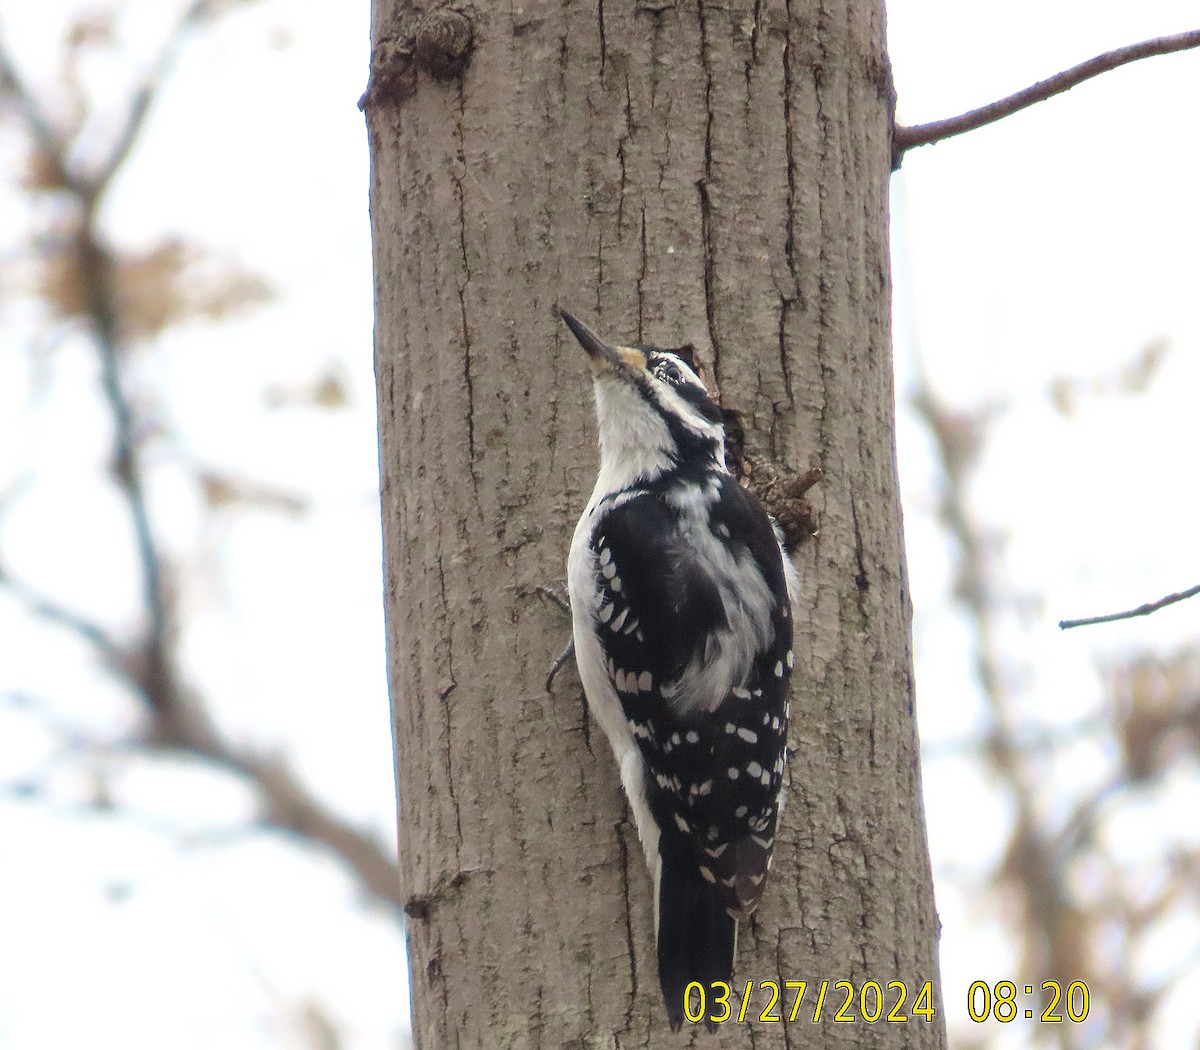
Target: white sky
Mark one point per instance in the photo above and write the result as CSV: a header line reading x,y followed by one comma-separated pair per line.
x,y
1059,242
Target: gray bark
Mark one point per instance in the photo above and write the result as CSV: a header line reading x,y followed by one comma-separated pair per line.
x,y
671,173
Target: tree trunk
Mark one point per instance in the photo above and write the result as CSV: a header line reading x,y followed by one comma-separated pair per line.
x,y
670,172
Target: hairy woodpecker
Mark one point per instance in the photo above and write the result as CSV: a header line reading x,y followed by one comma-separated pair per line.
x,y
681,607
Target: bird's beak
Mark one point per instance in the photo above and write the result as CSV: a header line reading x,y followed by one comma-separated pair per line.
x,y
623,359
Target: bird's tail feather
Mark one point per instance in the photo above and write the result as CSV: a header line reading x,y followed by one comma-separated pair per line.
x,y
696,935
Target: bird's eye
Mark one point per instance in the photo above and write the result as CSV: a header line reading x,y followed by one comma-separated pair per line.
x,y
669,372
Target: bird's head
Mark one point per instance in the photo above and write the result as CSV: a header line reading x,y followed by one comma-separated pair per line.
x,y
653,410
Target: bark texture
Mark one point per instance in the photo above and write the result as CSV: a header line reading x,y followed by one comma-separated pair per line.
x,y
671,172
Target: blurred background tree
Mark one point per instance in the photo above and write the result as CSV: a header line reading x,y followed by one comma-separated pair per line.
x,y
195,772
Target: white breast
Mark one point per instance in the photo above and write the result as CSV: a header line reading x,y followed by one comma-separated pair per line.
x,y
601,695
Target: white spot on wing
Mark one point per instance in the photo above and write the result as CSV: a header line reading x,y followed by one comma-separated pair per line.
x,y
734,773
682,824
619,622
778,668
748,735
708,875
754,769
645,682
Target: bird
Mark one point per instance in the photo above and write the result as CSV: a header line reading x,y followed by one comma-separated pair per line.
x,y
681,598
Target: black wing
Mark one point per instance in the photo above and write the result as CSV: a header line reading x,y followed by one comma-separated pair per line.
x,y
714,776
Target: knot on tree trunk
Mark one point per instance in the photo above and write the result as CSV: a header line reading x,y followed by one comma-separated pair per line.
x,y
438,43
782,492
442,43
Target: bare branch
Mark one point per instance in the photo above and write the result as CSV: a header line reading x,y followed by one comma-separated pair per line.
x,y
1129,614
906,138
288,805
291,807
47,609
178,720
40,127
143,99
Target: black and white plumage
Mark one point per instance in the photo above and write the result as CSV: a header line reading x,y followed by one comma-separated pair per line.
x,y
681,602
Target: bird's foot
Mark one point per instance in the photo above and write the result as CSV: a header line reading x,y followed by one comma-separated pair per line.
x,y
558,596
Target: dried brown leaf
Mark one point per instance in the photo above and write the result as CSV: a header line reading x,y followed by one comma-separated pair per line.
x,y
228,293
318,1030
169,283
60,285
1156,710
1063,396
1137,375
151,291
221,491
43,173
1132,378
91,28
331,392
328,390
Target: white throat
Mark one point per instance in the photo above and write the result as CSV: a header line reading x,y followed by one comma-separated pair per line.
x,y
635,444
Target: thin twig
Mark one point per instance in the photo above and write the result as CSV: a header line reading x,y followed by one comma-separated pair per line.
x,y
906,138
46,608
1129,614
143,99
97,272
48,140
